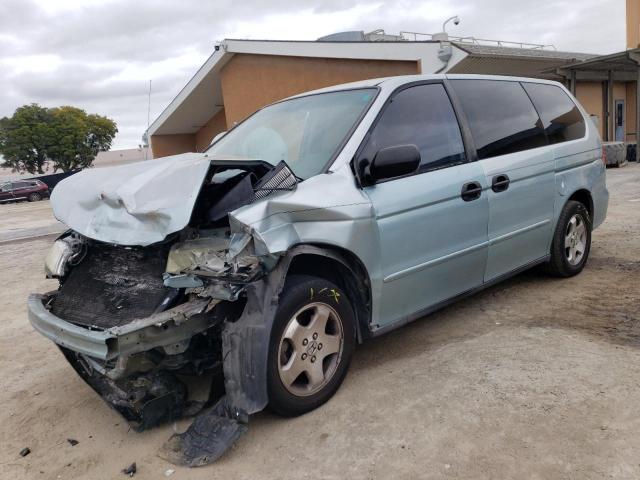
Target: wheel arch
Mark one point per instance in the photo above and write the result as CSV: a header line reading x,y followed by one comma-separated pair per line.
x,y
583,196
343,268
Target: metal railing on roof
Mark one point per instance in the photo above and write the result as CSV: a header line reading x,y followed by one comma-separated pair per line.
x,y
415,36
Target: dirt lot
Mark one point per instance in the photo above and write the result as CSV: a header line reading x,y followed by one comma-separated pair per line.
x,y
535,378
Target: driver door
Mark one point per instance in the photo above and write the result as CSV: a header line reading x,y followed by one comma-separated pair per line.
x,y
433,235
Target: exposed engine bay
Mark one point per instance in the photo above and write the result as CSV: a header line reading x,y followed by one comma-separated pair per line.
x,y
148,326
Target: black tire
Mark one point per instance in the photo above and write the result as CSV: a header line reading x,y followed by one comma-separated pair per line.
x,y
559,263
34,197
301,292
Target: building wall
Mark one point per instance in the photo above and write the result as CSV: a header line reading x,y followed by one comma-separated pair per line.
x,y
103,159
633,23
118,157
252,81
165,145
589,94
215,125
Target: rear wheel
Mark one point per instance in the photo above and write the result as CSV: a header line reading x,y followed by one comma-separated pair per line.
x,y
34,197
311,345
571,241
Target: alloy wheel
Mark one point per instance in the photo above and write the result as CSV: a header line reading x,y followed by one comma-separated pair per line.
x,y
575,239
310,349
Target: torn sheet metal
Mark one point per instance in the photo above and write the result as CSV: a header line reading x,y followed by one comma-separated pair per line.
x,y
212,256
205,253
245,351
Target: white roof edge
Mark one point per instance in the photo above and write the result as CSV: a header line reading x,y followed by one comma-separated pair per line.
x,y
211,62
411,51
399,51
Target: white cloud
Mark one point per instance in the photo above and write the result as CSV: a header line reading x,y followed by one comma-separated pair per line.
x,y
101,54
306,24
30,63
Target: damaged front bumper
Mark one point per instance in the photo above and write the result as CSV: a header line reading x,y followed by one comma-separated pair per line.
x,y
106,360
110,362
167,329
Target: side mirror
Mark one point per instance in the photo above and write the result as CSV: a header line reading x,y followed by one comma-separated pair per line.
x,y
392,162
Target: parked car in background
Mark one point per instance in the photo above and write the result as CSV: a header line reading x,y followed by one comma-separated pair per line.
x,y
317,223
31,190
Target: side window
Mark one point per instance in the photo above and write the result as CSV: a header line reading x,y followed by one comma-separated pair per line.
x,y
422,116
561,118
501,116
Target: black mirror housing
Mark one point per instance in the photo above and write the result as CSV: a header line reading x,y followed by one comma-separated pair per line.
x,y
396,161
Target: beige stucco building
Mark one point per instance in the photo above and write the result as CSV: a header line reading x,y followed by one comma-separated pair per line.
x,y
244,75
608,85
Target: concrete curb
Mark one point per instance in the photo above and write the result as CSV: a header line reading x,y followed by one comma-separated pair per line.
x,y
31,233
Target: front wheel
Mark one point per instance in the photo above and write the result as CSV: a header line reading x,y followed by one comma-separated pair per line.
x,y
311,345
571,241
34,197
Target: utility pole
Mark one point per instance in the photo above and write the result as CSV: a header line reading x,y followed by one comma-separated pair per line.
x,y
146,150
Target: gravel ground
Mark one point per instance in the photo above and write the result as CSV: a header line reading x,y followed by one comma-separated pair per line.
x,y
534,378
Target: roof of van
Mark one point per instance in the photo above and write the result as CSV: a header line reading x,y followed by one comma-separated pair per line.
x,y
404,79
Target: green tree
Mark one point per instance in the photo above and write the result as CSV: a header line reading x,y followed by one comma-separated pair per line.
x,y
67,137
79,137
25,137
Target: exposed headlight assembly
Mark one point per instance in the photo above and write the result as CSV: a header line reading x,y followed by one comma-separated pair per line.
x,y
64,251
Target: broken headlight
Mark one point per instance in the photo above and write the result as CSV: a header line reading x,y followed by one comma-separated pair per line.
x,y
63,252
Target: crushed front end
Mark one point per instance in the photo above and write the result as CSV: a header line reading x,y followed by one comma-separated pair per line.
x,y
132,338
166,330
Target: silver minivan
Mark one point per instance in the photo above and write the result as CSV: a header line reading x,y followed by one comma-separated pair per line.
x,y
322,220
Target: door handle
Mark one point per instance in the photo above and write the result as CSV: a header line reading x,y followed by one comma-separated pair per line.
x,y
471,191
500,183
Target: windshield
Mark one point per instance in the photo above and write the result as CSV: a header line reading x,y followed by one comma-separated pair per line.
x,y
305,132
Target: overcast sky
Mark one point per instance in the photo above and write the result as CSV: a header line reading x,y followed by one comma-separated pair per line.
x,y
101,54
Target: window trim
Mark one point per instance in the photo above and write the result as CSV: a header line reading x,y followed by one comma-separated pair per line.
x,y
465,133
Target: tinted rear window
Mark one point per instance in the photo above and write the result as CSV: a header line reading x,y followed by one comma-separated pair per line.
x,y
561,118
501,116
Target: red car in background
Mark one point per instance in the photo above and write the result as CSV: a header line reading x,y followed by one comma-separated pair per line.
x,y
31,190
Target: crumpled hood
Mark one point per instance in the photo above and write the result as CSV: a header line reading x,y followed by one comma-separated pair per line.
x,y
135,204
